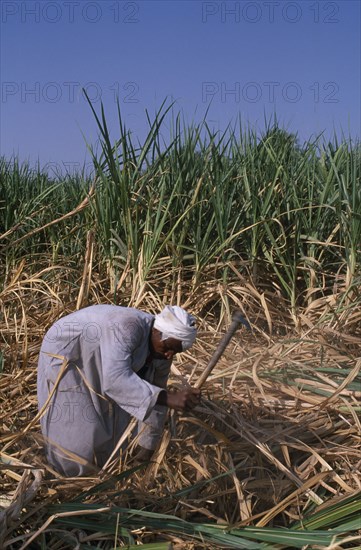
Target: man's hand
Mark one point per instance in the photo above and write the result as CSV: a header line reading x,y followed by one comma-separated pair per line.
x,y
181,400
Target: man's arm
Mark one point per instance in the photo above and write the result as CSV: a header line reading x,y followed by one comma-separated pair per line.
x,y
136,396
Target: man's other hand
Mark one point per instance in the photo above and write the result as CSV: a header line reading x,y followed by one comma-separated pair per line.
x,y
184,399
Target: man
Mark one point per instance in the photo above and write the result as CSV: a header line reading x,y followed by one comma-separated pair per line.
x,y
98,367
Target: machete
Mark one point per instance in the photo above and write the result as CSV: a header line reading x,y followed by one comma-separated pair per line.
x,y
237,321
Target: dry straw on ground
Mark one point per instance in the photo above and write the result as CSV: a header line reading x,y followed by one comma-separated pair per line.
x,y
277,433
216,221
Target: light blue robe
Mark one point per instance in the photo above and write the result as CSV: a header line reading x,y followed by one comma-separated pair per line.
x,y
102,347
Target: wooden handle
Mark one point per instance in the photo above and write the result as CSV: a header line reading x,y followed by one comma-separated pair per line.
x,y
237,320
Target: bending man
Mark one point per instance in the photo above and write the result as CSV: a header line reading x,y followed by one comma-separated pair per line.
x,y
100,366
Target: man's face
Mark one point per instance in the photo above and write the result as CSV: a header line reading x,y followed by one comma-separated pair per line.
x,y
164,349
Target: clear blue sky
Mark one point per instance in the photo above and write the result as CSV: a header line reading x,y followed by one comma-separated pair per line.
x,y
247,58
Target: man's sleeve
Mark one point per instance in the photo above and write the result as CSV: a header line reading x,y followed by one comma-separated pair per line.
x,y
120,383
150,431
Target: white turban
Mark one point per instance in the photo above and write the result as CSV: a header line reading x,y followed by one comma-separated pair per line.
x,y
175,322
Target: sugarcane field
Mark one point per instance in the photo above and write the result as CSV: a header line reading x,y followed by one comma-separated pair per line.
x,y
257,235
